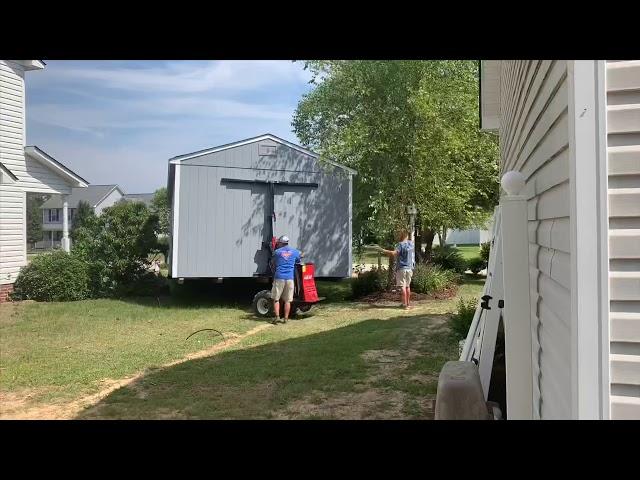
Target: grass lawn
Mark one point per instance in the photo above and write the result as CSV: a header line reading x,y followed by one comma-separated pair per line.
x,y
130,359
469,251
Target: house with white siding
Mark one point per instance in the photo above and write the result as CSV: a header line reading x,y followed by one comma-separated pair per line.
x,y
23,170
98,197
571,132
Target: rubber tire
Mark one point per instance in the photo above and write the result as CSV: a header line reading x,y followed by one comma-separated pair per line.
x,y
258,304
305,308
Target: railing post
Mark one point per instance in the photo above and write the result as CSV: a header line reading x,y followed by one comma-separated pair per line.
x,y
516,311
65,223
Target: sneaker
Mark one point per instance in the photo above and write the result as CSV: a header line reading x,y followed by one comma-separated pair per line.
x,y
284,320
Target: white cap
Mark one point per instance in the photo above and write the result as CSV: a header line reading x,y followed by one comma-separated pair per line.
x,y
283,239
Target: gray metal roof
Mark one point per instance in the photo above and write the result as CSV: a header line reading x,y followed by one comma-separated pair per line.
x,y
145,198
92,194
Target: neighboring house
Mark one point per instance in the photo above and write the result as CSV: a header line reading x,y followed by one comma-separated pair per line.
x,y
465,237
23,169
572,130
98,197
145,198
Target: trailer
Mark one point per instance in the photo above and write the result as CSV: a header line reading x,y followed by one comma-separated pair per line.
x,y
229,202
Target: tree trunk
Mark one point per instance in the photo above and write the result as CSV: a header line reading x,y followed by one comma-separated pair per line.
x,y
428,236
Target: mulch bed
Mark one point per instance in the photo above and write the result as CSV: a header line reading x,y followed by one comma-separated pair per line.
x,y
394,296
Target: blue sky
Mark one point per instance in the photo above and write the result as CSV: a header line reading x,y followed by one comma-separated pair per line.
x,y
120,121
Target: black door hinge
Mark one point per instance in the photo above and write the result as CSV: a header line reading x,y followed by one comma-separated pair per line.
x,y
485,302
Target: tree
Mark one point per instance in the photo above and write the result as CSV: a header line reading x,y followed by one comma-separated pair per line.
x,y
34,216
410,130
160,206
117,245
83,213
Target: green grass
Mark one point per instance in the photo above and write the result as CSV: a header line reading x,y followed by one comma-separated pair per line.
x,y
58,352
469,251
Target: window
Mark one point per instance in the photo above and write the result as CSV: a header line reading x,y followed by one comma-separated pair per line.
x,y
58,235
71,213
54,215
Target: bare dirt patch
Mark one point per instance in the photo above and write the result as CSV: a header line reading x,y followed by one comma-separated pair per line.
x,y
369,401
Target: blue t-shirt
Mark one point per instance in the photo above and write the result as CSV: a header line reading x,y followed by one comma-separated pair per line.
x,y
406,255
285,259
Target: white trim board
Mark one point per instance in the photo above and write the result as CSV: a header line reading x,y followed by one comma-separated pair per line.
x,y
53,164
588,240
179,159
175,214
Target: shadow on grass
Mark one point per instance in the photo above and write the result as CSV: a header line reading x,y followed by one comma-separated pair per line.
x,y
256,382
233,292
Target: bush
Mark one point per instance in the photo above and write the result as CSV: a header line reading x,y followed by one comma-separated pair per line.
x,y
53,277
369,282
432,278
116,246
477,264
484,251
461,321
449,258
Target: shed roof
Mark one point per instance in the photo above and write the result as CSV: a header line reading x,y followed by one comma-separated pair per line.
x,y
267,136
93,195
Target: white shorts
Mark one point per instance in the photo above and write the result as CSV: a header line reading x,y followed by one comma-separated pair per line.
x,y
282,289
403,278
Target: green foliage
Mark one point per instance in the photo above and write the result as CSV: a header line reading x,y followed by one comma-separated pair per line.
x,y
116,245
461,321
53,277
476,265
83,212
430,279
395,120
160,207
369,282
449,258
34,216
485,249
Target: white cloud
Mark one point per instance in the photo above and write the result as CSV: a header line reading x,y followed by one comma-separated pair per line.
x,y
182,76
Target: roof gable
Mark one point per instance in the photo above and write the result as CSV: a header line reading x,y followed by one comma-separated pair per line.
x,y
93,195
267,136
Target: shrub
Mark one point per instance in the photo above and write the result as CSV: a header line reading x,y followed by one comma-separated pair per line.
x,y
477,264
53,277
484,251
432,279
461,321
369,282
449,258
116,246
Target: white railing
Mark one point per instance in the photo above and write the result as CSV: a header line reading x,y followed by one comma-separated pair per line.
x,y
506,297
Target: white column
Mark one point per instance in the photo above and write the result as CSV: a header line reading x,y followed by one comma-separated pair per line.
x,y
517,311
65,223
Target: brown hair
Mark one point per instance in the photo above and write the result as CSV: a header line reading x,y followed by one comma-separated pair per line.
x,y
402,233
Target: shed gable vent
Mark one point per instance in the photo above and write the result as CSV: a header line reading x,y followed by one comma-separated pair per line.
x,y
267,150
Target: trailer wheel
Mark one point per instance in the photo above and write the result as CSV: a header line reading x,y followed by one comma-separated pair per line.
x,y
305,307
262,304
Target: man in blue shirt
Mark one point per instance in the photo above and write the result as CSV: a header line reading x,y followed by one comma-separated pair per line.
x,y
284,260
405,263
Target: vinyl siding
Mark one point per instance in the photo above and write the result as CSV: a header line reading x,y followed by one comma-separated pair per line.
x,y
32,175
221,226
109,200
623,137
534,139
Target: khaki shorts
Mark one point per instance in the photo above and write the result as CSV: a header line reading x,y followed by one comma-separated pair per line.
x,y
282,289
403,278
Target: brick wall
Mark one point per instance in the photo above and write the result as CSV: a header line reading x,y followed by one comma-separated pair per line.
x,y
5,290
